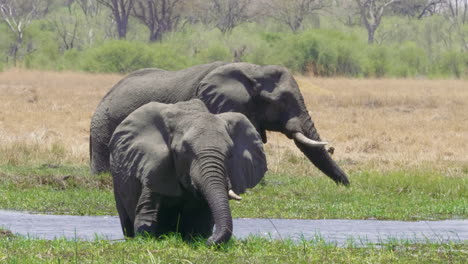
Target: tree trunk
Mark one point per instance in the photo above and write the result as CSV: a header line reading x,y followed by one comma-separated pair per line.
x,y
370,34
155,36
122,29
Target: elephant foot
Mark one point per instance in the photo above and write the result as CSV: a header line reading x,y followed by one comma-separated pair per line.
x,y
196,224
146,230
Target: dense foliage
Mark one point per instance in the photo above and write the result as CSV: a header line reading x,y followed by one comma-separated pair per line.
x,y
404,46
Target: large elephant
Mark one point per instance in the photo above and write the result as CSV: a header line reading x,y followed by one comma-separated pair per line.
x,y
175,165
267,95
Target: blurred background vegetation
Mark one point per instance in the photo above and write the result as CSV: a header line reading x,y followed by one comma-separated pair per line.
x,y
352,38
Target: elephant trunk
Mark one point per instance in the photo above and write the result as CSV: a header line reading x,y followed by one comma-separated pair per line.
x,y
215,191
318,154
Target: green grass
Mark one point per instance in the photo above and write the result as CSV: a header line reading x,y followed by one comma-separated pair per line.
x,y
56,189
251,250
395,195
401,195
398,195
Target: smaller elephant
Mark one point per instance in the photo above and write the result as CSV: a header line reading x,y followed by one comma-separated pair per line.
x,y
175,166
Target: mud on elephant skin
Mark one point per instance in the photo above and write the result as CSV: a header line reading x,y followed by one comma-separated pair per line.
x,y
267,95
175,166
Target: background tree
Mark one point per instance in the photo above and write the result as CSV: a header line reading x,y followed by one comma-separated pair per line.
x,y
18,14
66,28
121,10
160,16
456,11
372,12
293,12
346,12
414,8
227,14
89,7
91,11
430,8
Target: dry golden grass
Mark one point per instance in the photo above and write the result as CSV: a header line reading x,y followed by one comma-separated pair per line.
x,y
48,111
390,123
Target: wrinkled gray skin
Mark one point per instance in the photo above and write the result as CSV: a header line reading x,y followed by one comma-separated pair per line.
x,y
267,95
173,165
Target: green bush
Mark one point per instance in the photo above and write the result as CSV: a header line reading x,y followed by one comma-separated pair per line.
x,y
168,57
41,49
297,52
119,56
324,52
411,60
271,37
71,60
45,56
215,52
453,63
378,62
264,49
349,61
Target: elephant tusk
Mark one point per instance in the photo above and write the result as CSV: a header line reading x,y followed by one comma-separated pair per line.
x,y
234,196
307,141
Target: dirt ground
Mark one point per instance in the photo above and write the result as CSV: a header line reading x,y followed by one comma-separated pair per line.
x,y
385,122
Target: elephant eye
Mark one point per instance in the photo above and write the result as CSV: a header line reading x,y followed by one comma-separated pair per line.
x,y
184,148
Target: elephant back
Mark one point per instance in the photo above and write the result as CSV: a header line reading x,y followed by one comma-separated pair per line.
x,y
138,89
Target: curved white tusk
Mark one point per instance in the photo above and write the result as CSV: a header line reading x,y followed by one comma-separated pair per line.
x,y
234,196
307,141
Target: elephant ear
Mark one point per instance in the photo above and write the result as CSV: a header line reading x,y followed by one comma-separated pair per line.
x,y
235,87
246,165
229,88
139,149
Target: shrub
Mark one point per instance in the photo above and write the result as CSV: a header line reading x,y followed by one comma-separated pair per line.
x,y
411,59
349,60
40,49
44,57
378,64
215,52
323,52
119,56
168,57
453,63
297,52
71,60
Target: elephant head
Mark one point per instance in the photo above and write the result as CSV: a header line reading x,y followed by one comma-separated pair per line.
x,y
181,149
270,97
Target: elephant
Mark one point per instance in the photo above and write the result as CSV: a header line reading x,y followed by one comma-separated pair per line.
x,y
174,167
267,95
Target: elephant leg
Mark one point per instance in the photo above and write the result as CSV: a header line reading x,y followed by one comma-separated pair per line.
x,y
168,220
125,221
156,215
146,212
126,195
196,222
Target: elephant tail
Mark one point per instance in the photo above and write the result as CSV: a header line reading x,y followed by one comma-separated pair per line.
x,y
90,150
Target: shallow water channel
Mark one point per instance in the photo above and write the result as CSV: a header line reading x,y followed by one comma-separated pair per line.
x,y
339,232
